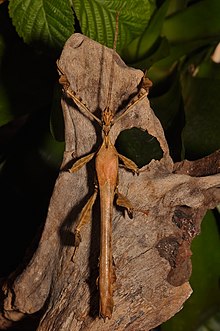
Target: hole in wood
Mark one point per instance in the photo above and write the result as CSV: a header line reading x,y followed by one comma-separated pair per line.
x,y
139,146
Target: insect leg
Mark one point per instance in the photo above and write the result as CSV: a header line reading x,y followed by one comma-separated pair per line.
x,y
84,217
124,202
129,164
81,162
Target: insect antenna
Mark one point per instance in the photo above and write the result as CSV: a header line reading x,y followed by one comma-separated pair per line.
x,y
116,32
112,64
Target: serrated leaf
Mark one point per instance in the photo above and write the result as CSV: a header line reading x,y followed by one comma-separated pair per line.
x,y
44,21
97,19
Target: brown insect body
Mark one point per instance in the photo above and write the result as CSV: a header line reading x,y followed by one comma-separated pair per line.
x,y
107,174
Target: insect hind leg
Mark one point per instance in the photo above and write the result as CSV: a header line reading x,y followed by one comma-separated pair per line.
x,y
84,217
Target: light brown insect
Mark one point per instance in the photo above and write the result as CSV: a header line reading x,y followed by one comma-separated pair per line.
x,y
106,165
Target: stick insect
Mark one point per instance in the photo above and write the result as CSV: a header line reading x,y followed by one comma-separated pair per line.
x,y
106,166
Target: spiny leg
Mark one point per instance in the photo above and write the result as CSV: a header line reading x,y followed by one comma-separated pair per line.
x,y
121,200
86,213
124,202
79,103
128,164
71,94
146,83
84,217
62,79
81,162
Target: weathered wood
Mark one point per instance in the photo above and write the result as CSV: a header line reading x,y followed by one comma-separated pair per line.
x,y
151,251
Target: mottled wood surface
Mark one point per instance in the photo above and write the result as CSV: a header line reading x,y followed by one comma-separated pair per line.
x,y
151,251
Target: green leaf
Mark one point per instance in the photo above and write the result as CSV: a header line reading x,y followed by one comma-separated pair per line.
x,y
161,69
208,69
44,21
5,110
97,19
212,324
176,5
167,103
205,299
56,117
139,48
187,30
201,135
50,150
200,21
161,50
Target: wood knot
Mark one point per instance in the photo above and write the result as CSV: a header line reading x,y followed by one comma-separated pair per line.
x,y
177,252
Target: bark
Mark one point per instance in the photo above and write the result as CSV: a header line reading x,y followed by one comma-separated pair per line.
x,y
151,251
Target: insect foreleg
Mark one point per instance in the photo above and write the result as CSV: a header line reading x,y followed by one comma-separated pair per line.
x,y
81,162
145,84
71,94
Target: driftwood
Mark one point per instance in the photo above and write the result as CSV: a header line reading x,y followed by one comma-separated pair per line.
x,y
151,251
